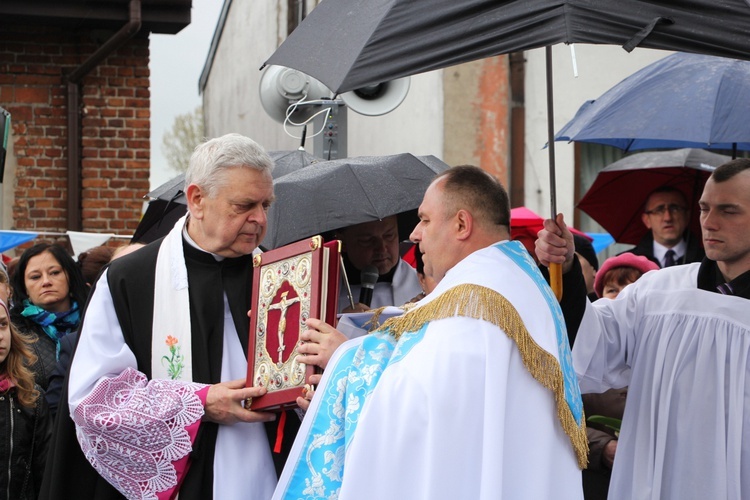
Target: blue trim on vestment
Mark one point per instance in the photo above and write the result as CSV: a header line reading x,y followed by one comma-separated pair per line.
x,y
319,473
515,251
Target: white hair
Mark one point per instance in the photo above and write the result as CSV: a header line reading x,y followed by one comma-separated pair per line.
x,y
211,158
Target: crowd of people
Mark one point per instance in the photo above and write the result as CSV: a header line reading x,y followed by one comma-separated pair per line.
x,y
42,296
122,373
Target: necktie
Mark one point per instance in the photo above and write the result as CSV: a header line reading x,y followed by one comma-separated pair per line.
x,y
669,258
725,288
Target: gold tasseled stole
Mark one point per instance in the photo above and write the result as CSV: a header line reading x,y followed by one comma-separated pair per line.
x,y
482,303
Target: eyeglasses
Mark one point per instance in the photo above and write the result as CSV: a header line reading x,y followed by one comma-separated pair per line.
x,y
661,210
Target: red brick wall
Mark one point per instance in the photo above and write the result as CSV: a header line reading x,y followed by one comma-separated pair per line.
x,y
115,128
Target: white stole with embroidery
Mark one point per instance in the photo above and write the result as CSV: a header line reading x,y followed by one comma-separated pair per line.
x,y
171,347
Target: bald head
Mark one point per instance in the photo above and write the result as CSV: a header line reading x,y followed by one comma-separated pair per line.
x,y
470,188
464,209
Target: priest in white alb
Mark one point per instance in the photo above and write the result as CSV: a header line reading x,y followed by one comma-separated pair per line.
x,y
680,339
469,394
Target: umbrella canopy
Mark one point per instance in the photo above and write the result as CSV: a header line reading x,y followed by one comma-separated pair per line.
x,y
170,190
349,44
617,197
160,216
525,223
601,241
340,193
683,100
287,162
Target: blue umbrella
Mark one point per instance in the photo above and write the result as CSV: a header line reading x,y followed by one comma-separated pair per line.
x,y
680,101
601,241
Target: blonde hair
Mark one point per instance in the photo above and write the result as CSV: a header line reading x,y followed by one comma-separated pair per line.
x,y
5,281
16,365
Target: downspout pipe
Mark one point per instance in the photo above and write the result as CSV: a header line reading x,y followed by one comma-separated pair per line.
x,y
75,169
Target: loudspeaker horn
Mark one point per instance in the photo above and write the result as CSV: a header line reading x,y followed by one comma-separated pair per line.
x,y
378,99
281,87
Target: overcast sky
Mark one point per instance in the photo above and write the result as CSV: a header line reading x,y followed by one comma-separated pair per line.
x,y
176,65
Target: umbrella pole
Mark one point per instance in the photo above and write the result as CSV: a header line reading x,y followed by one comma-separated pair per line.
x,y
555,270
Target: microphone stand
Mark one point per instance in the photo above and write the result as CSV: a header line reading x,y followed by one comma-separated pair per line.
x,y
346,280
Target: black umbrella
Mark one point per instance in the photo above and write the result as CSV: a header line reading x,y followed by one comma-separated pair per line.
x,y
287,162
347,191
350,44
160,216
170,190
168,202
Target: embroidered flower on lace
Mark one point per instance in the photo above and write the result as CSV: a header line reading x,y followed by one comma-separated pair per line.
x,y
132,430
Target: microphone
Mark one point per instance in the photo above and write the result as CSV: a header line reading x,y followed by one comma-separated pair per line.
x,y
368,277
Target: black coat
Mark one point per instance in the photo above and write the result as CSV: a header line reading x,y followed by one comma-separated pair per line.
x,y
45,348
131,283
645,247
23,446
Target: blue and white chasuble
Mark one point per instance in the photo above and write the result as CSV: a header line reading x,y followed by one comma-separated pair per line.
x,y
470,394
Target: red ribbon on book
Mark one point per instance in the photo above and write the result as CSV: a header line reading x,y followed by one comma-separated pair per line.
x,y
280,432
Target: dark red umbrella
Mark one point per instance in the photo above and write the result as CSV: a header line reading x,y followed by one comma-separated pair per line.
x,y
617,197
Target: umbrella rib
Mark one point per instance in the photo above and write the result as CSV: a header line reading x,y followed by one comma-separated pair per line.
x,y
365,43
355,172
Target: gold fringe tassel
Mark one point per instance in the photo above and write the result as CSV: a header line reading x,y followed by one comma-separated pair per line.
x,y
482,303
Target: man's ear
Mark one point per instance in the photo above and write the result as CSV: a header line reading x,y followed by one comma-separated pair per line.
x,y
464,224
646,220
195,198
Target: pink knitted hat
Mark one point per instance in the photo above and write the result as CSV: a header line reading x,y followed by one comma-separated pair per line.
x,y
626,259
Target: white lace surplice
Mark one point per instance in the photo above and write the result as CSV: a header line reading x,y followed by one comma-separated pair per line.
x,y
133,429
684,353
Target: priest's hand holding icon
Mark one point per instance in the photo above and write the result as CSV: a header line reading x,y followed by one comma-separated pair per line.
x,y
318,343
224,403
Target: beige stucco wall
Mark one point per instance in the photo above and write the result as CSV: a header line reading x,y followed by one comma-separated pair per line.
x,y
599,68
232,104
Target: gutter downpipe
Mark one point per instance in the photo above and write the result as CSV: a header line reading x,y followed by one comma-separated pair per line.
x,y
75,189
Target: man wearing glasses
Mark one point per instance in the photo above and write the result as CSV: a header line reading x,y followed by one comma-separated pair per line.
x,y
668,241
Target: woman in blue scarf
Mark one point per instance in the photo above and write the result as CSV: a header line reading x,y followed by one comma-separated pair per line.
x,y
49,293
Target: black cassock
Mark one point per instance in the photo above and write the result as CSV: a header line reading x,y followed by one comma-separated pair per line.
x,y
68,474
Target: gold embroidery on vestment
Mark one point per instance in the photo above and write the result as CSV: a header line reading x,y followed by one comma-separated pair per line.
x,y
482,303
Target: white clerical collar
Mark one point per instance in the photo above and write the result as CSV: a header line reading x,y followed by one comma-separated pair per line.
x,y
193,244
679,250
